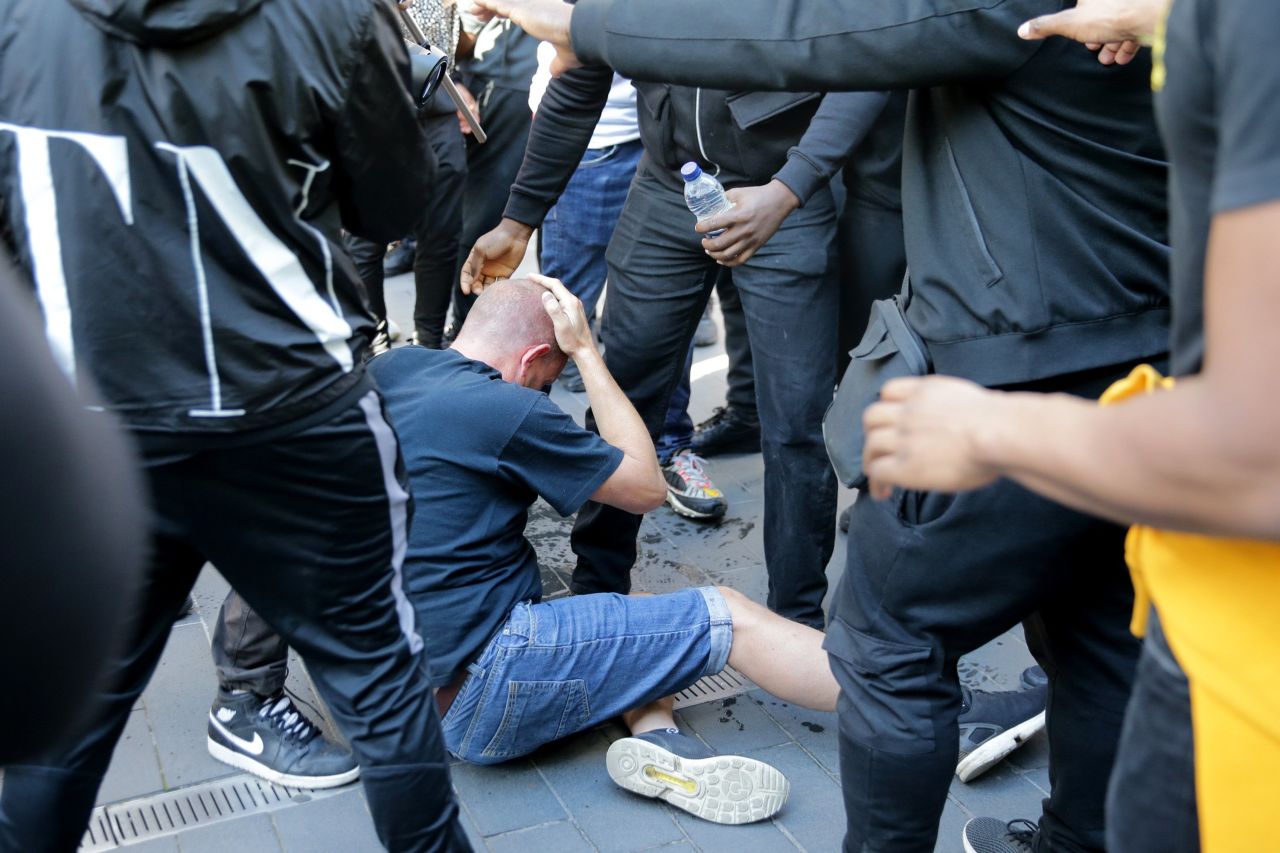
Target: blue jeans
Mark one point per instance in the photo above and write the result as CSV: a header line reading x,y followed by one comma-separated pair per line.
x,y
578,229
562,666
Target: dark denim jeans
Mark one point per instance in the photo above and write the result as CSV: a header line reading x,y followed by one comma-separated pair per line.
x,y
577,230
659,281
1151,803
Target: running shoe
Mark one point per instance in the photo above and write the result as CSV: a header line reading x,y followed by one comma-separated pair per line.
x,y
690,491
992,725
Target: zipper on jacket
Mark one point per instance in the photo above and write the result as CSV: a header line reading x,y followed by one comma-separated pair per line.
x,y
697,128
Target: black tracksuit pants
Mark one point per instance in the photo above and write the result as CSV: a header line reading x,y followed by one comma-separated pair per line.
x,y
659,281
309,528
931,577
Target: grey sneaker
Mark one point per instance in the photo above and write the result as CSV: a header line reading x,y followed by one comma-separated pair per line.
x,y
990,835
992,725
676,768
690,491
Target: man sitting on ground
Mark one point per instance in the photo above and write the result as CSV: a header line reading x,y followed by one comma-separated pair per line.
x,y
481,443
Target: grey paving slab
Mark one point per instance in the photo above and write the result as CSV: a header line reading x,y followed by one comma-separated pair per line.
x,y
763,837
504,797
677,847
661,572
1034,754
561,836
252,834
469,826
816,731
135,769
950,828
998,665
814,811
751,580
168,844
333,823
733,725
1038,777
1001,793
177,702
613,820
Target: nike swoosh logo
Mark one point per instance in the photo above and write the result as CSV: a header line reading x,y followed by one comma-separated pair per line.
x,y
253,747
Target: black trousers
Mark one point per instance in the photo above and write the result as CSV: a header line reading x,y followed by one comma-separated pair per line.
x,y
873,261
931,577
247,652
1151,804
491,169
741,378
659,281
310,528
438,234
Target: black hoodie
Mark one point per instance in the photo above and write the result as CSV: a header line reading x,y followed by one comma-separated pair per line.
x,y
175,174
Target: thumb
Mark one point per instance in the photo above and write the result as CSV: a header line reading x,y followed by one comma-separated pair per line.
x,y
1064,23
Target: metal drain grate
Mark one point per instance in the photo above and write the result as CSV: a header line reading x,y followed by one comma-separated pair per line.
x,y
725,683
134,821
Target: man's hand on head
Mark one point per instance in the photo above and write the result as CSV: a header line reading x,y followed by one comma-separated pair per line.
x,y
495,256
573,331
545,20
757,214
1112,28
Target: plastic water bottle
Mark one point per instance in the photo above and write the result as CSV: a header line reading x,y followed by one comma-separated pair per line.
x,y
703,194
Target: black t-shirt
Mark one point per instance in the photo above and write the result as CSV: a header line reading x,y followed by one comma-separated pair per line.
x,y
478,452
1219,110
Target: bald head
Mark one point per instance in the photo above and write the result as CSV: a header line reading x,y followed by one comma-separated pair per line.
x,y
506,321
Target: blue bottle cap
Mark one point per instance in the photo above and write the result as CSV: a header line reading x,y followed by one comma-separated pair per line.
x,y
690,172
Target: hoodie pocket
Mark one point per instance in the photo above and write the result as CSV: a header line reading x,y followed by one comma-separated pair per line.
x,y
960,206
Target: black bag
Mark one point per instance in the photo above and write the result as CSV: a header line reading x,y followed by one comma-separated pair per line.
x,y
889,349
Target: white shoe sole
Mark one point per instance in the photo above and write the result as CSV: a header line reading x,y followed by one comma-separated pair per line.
x,y
243,762
730,789
992,751
688,512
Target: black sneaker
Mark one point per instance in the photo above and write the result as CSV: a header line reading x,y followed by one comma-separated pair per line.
x,y
681,771
571,378
991,835
400,259
992,725
728,430
271,738
690,491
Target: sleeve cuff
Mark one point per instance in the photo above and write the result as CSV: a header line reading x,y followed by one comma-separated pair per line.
x,y
526,209
586,30
800,177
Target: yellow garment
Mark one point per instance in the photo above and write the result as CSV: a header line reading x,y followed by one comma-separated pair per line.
x,y
1219,606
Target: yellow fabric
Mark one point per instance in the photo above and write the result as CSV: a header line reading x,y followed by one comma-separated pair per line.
x,y
1219,606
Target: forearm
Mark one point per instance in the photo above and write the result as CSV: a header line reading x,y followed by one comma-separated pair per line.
x,y
839,126
558,138
616,419
1177,459
828,45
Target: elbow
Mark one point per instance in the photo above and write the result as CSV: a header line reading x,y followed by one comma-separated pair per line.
x,y
655,494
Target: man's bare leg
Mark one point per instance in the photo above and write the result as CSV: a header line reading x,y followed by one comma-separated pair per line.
x,y
658,714
784,657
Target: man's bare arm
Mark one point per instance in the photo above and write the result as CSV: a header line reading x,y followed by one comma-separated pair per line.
x,y
1202,457
637,485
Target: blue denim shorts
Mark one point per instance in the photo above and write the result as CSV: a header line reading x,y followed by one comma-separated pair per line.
x,y
562,666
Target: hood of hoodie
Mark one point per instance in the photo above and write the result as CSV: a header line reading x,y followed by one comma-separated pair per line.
x,y
165,23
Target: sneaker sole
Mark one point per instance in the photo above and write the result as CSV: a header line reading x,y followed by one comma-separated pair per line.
x,y
728,789
689,512
243,762
994,749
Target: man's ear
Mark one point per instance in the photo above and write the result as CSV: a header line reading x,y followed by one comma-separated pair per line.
x,y
529,356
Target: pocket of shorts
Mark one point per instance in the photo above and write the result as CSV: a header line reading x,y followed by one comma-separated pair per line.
x,y
538,712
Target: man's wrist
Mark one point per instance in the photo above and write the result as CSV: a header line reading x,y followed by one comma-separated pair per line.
x,y
517,229
785,195
993,436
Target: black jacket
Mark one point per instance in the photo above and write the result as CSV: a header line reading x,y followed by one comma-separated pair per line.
x,y
176,172
749,138
1033,177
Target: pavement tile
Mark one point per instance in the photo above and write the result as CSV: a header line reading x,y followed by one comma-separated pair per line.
x,y
735,725
1040,778
504,797
816,731
815,807
134,770
763,837
950,828
677,847
751,581
1034,754
561,837
335,823
999,793
251,834
177,703
662,570
167,844
469,827
614,820
997,665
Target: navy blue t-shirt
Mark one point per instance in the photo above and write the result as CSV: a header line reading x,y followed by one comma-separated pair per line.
x,y
478,451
